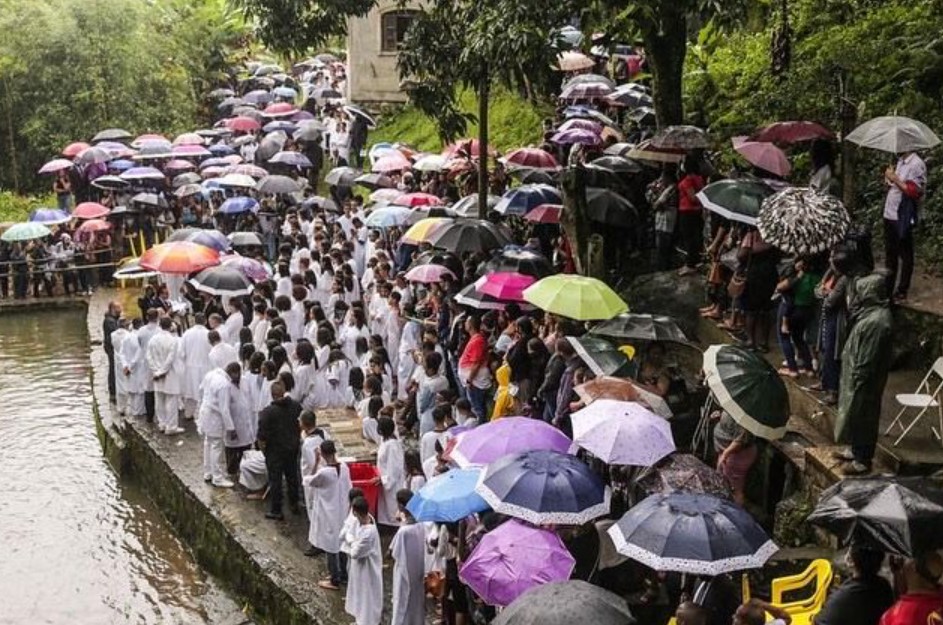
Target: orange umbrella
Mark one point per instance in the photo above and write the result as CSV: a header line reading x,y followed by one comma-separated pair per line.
x,y
179,257
607,387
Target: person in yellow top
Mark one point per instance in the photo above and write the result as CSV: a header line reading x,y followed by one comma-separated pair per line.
x,y
506,403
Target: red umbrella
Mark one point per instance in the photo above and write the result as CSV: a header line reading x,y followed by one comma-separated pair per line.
x,y
242,124
793,132
90,210
545,214
90,227
279,109
417,199
534,158
469,146
72,150
179,257
763,155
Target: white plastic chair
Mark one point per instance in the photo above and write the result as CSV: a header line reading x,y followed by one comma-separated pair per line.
x,y
922,399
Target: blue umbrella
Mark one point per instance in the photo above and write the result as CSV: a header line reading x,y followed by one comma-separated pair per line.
x,y
217,161
281,124
448,498
238,205
221,149
121,164
142,173
521,200
210,238
50,216
389,216
259,96
544,487
294,159
285,92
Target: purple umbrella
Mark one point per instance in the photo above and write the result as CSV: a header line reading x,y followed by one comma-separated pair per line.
x,y
142,173
488,442
250,268
576,135
580,124
622,432
213,239
514,558
189,149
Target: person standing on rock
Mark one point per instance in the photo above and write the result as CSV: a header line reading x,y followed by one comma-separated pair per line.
x,y
195,355
215,421
311,438
329,481
162,359
278,438
118,337
145,334
109,325
364,600
391,464
134,370
245,421
408,550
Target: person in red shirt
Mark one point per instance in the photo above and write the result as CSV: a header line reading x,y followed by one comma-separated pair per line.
x,y
690,216
473,371
923,596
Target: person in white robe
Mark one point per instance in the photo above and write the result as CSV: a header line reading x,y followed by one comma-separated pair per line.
x,y
245,420
133,370
311,438
329,481
408,550
221,352
391,465
145,334
118,338
260,331
409,345
215,421
252,471
229,331
364,600
162,360
195,356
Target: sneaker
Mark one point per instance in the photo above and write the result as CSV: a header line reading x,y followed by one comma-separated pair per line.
x,y
172,431
223,483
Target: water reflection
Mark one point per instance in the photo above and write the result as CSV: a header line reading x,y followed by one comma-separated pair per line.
x,y
78,545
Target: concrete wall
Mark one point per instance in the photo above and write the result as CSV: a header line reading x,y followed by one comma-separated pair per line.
x,y
371,74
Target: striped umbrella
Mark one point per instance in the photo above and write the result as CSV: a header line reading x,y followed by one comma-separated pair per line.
x,y
179,257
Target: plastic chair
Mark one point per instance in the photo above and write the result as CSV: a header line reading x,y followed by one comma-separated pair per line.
x,y
923,399
819,576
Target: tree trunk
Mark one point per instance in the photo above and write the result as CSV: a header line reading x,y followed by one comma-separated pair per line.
x,y
573,217
483,94
665,49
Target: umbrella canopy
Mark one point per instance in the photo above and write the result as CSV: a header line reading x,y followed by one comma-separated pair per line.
x,y
90,210
738,200
213,239
223,281
244,239
575,136
175,165
374,181
422,230
473,298
188,138
93,155
577,123
189,150
56,165
509,435
179,257
133,271
110,182
749,389
622,432
601,356
521,261
188,189
428,274
467,147
585,91
292,159
685,473
389,216
468,205
566,603
50,216
143,173
149,199
250,267
616,164
545,214
802,221
590,78
544,487
430,162
73,149
902,516
534,176
894,134
278,185
575,297
692,533
644,116
469,235
571,61
280,109
514,558
242,124
793,132
587,112
634,327
185,179
681,138
390,162
418,199
505,285
238,205
764,155
90,227
355,112
532,158
111,134
622,389
520,200
647,152
309,133
342,176
448,498
25,231
385,195
630,98
608,207
245,169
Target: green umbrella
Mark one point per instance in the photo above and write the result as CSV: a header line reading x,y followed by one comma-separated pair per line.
x,y
749,389
575,297
737,200
601,356
26,231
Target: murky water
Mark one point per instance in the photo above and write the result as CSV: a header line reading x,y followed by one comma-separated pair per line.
x,y
76,544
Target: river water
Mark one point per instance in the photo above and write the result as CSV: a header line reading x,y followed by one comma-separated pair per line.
x,y
78,545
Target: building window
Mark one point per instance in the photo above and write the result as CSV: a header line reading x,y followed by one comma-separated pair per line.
x,y
393,27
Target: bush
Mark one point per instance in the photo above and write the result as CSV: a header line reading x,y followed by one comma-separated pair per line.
x,y
15,207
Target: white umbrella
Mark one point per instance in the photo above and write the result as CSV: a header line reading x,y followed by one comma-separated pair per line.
x,y
622,432
894,134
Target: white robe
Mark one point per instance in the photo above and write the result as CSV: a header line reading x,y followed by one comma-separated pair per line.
x,y
310,443
405,365
229,331
222,354
215,418
347,337
161,358
409,569
364,599
245,419
195,354
392,468
329,487
118,338
131,357
252,472
145,334
259,333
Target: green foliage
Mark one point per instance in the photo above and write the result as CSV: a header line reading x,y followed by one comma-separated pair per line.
x,y
296,26
14,207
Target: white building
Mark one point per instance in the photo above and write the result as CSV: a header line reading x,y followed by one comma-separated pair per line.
x,y
371,53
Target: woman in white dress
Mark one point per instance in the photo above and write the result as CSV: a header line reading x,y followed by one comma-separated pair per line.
x,y
392,467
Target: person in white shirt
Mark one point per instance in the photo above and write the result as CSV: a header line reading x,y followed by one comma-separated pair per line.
x,y
906,183
245,420
195,356
145,334
234,323
118,337
391,465
408,551
311,438
133,369
162,360
364,600
329,482
215,420
438,434
221,353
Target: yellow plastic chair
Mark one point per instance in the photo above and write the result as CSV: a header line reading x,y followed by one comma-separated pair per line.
x,y
818,575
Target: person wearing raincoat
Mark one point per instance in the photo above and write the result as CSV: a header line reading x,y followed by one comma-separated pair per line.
x,y
866,360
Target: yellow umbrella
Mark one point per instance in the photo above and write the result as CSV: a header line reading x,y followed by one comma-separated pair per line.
x,y
422,230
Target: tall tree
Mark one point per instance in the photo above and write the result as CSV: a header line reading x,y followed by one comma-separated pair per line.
x,y
296,26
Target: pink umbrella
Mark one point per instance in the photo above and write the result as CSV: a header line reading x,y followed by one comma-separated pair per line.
x,y
247,170
148,137
766,156
242,124
428,274
56,165
233,159
250,268
279,109
90,227
179,165
545,214
417,199
391,161
534,158
211,172
505,285
90,210
189,149
580,124
72,150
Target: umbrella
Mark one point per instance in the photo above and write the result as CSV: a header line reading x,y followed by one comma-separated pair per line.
x,y
793,132
251,268
543,487
685,473
385,195
646,151
608,207
309,133
681,138
469,147
326,93
545,214
246,169
190,150
280,109
576,135
644,116
271,145
514,558
616,165
601,356
473,298
374,181
575,297
894,134
438,257
571,61
469,235
285,92
417,199
749,389
389,216
174,165
185,179
534,176
25,231
143,173
898,515
221,92
242,124
509,435
738,200
630,98
430,162
179,257
258,96
692,533
92,155
133,271
355,111
420,231
565,603
244,239
50,216
802,221
110,182
633,327
188,138
323,203
111,134
468,205
619,149
277,185
56,165
521,261
766,156
342,176
90,210
72,150
393,161
585,91
508,285
588,113
448,498
222,280
188,190
238,205
428,274
622,389
622,432
280,125
590,78
90,227
520,200
292,159
531,158
149,199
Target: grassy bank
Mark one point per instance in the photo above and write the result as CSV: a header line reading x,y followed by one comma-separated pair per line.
x,y
14,207
514,122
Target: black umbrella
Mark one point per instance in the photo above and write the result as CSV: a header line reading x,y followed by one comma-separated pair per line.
x,y
277,184
683,472
608,207
566,603
522,261
92,155
185,179
534,176
630,98
470,235
643,116
634,327
468,205
616,164
601,356
374,181
324,203
244,239
309,133
342,176
473,298
222,280
897,515
681,138
110,182
112,134
150,199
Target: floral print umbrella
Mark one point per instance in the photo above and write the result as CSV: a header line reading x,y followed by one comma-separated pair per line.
x,y
798,220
